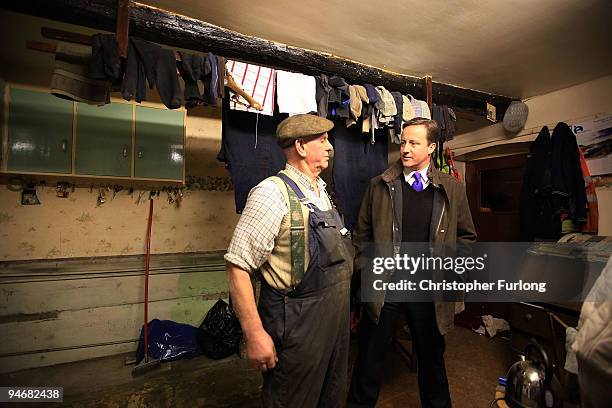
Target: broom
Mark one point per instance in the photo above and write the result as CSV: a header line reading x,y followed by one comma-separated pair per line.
x,y
147,363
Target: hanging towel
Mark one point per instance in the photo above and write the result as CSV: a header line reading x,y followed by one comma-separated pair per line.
x,y
296,93
258,81
421,109
368,110
385,107
425,113
362,93
71,79
408,110
355,105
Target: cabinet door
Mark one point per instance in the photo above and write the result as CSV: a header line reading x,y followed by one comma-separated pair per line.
x,y
104,140
39,132
159,143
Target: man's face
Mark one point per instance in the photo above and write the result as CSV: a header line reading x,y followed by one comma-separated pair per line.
x,y
317,153
415,149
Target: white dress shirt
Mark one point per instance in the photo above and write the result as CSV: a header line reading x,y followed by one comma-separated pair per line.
x,y
409,177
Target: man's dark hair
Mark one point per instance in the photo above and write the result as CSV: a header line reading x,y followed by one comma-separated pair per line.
x,y
433,131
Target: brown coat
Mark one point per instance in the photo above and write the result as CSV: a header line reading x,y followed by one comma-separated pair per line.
x,y
380,221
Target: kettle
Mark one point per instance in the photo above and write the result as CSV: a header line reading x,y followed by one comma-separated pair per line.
x,y
530,382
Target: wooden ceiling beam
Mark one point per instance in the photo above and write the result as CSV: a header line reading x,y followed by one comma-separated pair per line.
x,y
179,31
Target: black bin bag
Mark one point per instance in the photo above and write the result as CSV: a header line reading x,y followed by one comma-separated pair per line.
x,y
220,334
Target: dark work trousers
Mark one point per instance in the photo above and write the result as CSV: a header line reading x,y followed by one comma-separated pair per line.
x,y
141,67
166,80
310,324
249,158
375,340
356,161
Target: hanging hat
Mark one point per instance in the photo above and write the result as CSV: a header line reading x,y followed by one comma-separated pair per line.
x,y
515,116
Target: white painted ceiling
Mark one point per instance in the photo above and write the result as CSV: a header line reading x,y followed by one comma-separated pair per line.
x,y
518,48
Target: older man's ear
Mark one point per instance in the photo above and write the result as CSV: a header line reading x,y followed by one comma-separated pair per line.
x,y
299,147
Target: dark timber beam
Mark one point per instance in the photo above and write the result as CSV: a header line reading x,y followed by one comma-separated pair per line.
x,y
175,30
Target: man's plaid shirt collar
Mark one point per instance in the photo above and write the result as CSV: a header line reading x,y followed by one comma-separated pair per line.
x,y
304,180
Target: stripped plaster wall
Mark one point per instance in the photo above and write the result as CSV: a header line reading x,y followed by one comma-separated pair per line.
x,y
77,227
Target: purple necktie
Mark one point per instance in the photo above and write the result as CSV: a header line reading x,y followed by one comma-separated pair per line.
x,y
417,184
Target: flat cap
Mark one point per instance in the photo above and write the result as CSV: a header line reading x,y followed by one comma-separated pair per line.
x,y
300,126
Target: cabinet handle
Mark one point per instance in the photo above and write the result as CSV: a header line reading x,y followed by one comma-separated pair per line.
x,y
528,317
140,153
125,152
64,145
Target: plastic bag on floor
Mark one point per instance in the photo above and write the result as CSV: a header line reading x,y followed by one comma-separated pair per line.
x,y
169,341
219,334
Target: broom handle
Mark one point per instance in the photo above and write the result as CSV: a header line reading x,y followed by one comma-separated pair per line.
x,y
146,292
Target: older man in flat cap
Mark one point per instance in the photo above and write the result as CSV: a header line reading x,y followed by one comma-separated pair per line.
x,y
291,236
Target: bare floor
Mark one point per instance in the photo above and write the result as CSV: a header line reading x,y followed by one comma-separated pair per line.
x,y
473,364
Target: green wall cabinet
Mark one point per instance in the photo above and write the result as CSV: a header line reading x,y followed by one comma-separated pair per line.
x,y
159,143
39,132
104,140
116,140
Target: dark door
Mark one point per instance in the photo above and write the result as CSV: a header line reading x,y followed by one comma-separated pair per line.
x,y
493,189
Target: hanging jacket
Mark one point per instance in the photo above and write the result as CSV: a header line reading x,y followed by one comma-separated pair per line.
x,y
381,214
553,185
538,219
568,186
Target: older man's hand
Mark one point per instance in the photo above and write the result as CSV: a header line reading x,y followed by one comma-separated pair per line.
x,y
261,352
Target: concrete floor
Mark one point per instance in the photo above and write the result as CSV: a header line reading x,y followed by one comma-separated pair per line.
x,y
473,364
